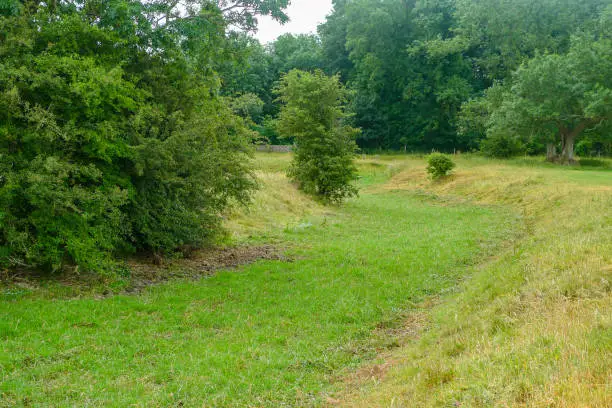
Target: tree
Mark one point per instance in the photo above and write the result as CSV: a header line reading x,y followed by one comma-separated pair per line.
x,y
113,136
248,70
242,14
302,51
559,97
413,63
333,42
254,68
500,35
248,106
313,113
408,87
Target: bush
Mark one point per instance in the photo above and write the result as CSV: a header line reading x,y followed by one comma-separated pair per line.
x,y
501,146
534,147
106,149
324,144
439,165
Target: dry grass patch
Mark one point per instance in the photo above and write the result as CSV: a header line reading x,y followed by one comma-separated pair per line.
x,y
533,327
276,205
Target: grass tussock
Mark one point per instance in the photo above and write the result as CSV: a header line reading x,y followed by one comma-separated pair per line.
x,y
532,327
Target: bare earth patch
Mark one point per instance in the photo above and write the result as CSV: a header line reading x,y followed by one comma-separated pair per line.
x,y
144,271
200,263
413,324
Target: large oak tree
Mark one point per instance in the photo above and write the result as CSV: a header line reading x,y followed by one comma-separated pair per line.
x,y
558,98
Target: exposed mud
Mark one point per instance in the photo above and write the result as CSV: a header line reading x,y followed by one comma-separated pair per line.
x,y
144,270
149,271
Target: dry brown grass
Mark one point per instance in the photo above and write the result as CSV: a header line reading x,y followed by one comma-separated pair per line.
x,y
533,326
277,204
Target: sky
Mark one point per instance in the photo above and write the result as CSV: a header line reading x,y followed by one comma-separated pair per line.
x,y
304,16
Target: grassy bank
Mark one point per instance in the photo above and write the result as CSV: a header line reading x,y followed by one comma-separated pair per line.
x,y
269,334
532,327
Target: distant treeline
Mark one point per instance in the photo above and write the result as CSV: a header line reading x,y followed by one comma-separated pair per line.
x,y
420,70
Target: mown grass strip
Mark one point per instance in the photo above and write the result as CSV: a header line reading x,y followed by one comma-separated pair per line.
x,y
269,334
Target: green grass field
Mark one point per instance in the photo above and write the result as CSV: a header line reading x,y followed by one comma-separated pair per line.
x,y
489,288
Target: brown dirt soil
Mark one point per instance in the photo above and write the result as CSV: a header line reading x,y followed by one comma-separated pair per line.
x,y
147,272
413,324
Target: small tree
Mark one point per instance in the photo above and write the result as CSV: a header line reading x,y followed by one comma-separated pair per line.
x,y
439,165
325,146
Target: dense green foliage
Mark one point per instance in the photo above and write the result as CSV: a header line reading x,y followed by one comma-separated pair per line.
x,y
414,63
406,93
417,67
556,98
439,165
313,114
501,146
112,133
258,68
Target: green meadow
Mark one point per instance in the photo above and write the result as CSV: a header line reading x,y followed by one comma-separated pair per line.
x,y
487,288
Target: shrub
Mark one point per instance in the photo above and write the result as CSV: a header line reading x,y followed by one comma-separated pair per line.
x,y
534,147
439,165
325,146
106,148
501,146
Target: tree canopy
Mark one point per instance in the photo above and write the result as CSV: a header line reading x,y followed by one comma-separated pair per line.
x,y
314,114
113,134
414,63
417,66
558,97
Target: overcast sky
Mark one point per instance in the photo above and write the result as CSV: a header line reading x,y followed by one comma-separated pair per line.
x,y
305,15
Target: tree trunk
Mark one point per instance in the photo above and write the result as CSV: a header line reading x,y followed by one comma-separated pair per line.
x,y
567,154
568,137
551,152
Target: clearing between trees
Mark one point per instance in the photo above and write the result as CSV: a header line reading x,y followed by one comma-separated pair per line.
x,y
487,288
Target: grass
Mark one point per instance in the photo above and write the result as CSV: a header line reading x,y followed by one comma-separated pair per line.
x,y
533,326
276,206
269,334
489,288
